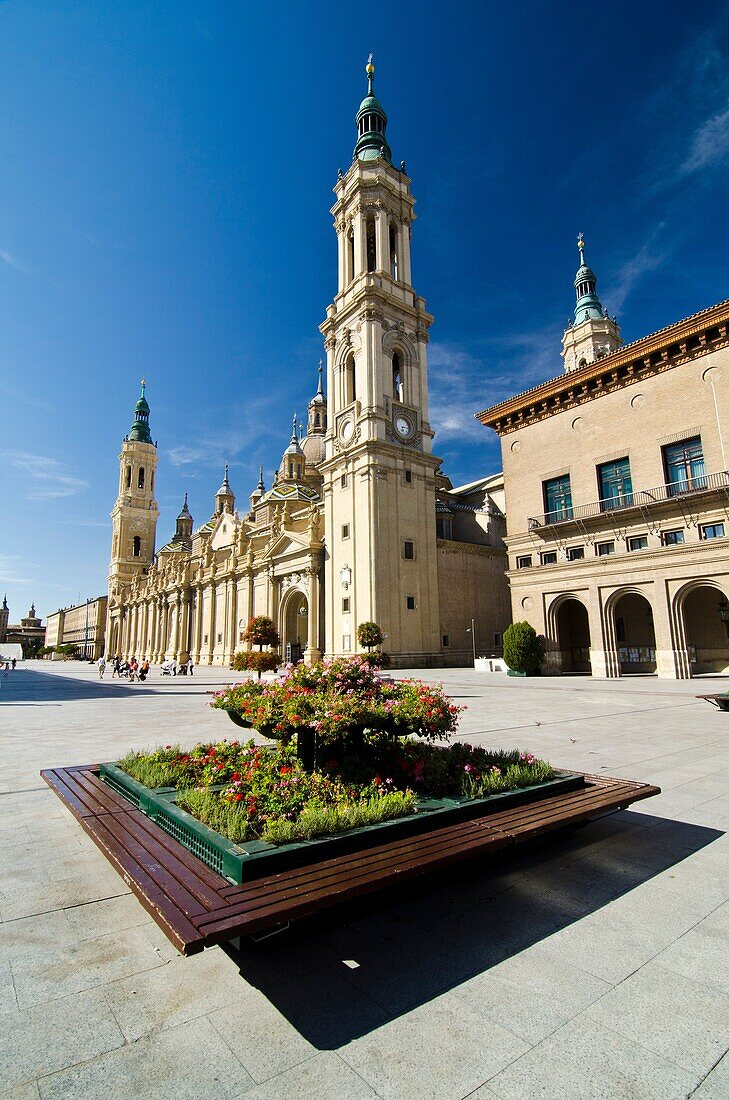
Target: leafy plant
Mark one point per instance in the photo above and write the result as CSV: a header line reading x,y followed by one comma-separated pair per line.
x,y
255,662
337,698
261,631
523,648
369,635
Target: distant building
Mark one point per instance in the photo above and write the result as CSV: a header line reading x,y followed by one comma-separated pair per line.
x,y
29,633
82,626
617,496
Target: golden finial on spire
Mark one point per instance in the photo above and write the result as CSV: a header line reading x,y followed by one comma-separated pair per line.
x,y
370,70
580,242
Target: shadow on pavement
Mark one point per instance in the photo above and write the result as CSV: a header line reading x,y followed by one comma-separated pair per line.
x,y
343,974
35,686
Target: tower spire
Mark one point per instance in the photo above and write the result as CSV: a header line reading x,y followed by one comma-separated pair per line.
x,y
139,431
592,334
371,124
588,304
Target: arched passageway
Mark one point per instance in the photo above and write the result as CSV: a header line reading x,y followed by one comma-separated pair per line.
x,y
573,636
705,629
635,635
294,627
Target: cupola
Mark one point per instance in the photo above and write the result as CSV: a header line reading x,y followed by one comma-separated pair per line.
x,y
139,431
224,498
371,124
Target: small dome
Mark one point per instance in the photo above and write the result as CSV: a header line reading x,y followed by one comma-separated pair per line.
x,y
313,449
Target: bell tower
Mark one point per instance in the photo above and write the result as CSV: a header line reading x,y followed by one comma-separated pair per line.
x,y
134,516
593,334
379,470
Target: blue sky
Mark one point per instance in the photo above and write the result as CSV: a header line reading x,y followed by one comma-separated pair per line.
x,y
164,213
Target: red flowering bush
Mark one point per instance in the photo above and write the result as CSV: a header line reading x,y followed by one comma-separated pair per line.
x,y
335,698
245,661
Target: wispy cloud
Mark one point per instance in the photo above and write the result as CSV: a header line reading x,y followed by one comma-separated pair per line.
x,y
651,255
49,478
13,570
463,381
709,147
11,261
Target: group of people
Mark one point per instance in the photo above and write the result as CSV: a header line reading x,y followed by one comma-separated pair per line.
x,y
8,665
135,670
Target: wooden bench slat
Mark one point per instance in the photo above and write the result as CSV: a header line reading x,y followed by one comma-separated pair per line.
x,y
195,907
396,849
57,782
197,868
165,879
326,874
254,918
96,792
163,909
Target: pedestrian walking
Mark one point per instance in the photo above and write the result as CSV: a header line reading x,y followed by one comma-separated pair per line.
x,y
102,666
12,664
174,666
190,667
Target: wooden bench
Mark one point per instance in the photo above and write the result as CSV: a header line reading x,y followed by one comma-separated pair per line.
x,y
196,908
720,701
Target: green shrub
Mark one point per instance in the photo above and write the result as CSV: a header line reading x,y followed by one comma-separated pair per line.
x,y
369,635
523,647
246,661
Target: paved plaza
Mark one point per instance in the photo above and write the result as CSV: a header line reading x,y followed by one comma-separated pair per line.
x,y
594,966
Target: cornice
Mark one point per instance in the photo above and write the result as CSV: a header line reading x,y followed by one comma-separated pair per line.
x,y
686,340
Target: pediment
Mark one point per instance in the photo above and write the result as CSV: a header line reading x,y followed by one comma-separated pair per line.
x,y
225,531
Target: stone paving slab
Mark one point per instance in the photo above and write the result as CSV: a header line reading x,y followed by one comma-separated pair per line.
x,y
593,966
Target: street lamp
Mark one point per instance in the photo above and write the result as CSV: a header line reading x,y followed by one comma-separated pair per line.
x,y
472,631
724,613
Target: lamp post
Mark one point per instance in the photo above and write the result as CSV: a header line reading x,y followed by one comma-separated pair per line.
x,y
86,631
724,613
472,631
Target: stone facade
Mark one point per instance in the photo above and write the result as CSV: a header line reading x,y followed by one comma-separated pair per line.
x,y
617,488
29,633
83,626
359,524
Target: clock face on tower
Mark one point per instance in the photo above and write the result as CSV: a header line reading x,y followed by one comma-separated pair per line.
x,y
346,429
403,426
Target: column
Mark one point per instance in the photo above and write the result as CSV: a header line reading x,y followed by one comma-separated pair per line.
x,y
341,255
403,258
360,242
232,621
198,623
152,628
382,238
177,635
313,649
211,622
669,665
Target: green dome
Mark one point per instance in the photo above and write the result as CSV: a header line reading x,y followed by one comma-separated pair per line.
x,y
139,431
371,103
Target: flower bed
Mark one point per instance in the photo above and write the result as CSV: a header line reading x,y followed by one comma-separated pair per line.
x,y
354,753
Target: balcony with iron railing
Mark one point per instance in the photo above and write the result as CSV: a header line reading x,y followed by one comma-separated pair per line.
x,y
638,500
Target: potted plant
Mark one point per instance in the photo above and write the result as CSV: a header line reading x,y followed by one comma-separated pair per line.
x,y
261,631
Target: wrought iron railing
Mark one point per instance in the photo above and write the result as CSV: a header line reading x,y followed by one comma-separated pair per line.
x,y
641,498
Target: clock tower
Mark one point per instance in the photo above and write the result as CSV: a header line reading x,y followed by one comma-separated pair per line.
x,y
379,470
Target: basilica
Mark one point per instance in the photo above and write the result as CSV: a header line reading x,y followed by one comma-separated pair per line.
x,y
360,523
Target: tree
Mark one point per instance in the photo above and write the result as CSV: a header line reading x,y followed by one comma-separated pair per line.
x,y
261,631
369,635
523,647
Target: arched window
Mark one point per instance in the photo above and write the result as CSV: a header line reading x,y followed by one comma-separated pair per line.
x,y
137,546
397,385
371,245
317,421
140,478
128,479
350,382
393,251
